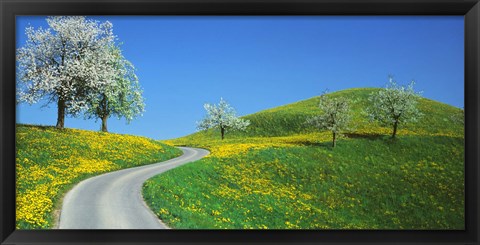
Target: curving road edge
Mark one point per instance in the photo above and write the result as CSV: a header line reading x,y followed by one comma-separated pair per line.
x,y
114,200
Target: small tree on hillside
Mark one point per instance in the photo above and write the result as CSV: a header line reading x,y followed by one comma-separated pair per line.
x,y
222,116
121,97
335,116
394,105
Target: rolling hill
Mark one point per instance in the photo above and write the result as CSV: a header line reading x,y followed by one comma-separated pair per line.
x,y
283,174
290,119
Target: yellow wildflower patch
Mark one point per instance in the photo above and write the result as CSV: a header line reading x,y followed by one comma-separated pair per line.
x,y
49,161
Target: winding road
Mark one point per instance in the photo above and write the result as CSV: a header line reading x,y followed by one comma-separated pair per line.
x,y
114,200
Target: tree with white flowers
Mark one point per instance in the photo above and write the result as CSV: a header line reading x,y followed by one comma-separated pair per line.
x,y
335,116
222,116
121,97
64,62
394,105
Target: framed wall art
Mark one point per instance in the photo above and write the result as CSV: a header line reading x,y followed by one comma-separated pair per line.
x,y
164,122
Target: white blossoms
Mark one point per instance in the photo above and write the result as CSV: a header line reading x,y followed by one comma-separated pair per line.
x,y
69,63
222,116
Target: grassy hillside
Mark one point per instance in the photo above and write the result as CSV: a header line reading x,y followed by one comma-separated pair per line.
x,y
281,174
290,119
50,161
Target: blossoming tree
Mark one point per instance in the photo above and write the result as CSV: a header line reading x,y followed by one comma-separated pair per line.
x,y
394,105
334,117
64,62
121,97
222,116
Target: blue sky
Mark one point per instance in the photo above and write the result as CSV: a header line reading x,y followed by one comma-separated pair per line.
x,y
261,62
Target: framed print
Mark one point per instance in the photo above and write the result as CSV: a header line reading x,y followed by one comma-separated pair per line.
x,y
188,122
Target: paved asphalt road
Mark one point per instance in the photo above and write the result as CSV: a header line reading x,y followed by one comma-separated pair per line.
x,y
114,201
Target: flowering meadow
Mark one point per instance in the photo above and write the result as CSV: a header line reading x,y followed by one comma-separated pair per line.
x,y
289,177
50,161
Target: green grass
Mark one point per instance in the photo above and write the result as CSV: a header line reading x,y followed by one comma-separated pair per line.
x,y
355,186
50,161
281,174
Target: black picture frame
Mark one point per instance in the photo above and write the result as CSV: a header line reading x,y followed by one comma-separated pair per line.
x,y
470,9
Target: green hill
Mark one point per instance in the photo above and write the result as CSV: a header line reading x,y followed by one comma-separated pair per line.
x,y
290,119
50,161
281,174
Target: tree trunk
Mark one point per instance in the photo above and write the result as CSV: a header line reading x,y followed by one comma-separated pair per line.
x,y
222,131
104,123
60,114
334,141
395,125
104,113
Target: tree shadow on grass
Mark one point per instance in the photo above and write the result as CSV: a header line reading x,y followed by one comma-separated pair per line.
x,y
364,136
328,144
320,144
316,144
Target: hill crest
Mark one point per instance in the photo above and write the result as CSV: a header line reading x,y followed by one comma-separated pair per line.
x,y
289,119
